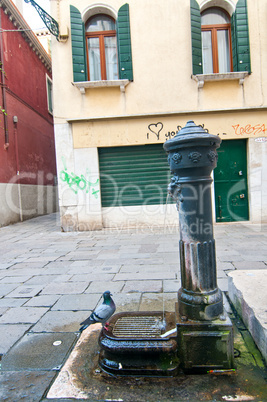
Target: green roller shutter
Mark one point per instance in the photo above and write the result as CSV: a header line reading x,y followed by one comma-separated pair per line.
x,y
78,45
124,43
196,37
134,175
240,38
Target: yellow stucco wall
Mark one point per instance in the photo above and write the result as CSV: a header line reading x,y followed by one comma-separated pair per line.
x,y
161,51
157,129
162,96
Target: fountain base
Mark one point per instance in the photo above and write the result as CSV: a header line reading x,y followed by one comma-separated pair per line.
x,y
150,344
138,344
205,345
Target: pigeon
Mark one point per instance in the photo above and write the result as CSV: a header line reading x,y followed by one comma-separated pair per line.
x,y
102,313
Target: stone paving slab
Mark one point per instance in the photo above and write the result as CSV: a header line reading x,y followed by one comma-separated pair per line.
x,y
5,289
26,291
19,265
9,302
171,285
5,265
42,301
223,284
92,277
225,266
19,271
101,287
10,334
27,386
158,302
50,270
64,288
24,386
248,293
46,279
143,276
60,321
131,269
77,302
143,286
14,279
23,315
249,265
39,351
127,302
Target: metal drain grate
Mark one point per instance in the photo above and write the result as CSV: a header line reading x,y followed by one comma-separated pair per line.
x,y
138,326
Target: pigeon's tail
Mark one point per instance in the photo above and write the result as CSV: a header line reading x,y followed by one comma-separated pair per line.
x,y
85,324
83,327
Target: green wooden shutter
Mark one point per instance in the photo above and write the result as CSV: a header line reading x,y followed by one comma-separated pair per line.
x,y
133,175
124,43
234,43
78,45
240,38
196,37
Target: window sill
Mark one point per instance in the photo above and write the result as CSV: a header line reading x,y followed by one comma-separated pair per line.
x,y
83,85
201,78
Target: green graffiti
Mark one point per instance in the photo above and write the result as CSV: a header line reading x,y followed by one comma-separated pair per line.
x,y
77,183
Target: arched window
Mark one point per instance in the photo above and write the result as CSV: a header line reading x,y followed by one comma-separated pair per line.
x,y
101,26
216,41
100,31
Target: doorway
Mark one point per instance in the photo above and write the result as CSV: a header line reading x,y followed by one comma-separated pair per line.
x,y
230,182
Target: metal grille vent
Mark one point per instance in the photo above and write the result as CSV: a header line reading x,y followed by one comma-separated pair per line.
x,y
138,326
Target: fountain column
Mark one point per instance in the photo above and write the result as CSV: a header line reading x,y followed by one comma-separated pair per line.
x,y
202,324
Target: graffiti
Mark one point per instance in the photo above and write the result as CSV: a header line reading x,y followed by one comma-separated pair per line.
x,y
249,129
76,182
170,134
156,128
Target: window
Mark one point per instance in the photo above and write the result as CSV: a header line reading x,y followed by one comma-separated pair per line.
x,y
49,94
220,41
216,41
101,48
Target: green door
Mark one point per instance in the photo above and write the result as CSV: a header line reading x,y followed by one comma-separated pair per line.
x,y
230,182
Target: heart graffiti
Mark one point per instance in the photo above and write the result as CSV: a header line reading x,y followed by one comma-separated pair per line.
x,y
155,129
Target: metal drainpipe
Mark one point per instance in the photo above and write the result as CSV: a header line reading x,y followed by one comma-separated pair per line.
x,y
15,121
3,88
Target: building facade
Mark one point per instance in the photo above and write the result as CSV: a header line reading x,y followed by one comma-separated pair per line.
x,y
126,79
27,151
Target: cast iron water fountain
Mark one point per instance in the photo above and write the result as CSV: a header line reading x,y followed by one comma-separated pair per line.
x,y
198,335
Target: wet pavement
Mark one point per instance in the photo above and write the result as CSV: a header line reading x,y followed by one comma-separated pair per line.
x,y
50,281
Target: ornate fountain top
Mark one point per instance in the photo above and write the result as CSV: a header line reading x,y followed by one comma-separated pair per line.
x,y
193,135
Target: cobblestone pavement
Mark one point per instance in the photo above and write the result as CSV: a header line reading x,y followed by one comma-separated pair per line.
x,y
50,281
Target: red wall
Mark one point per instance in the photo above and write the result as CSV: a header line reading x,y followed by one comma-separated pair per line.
x,y
31,147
